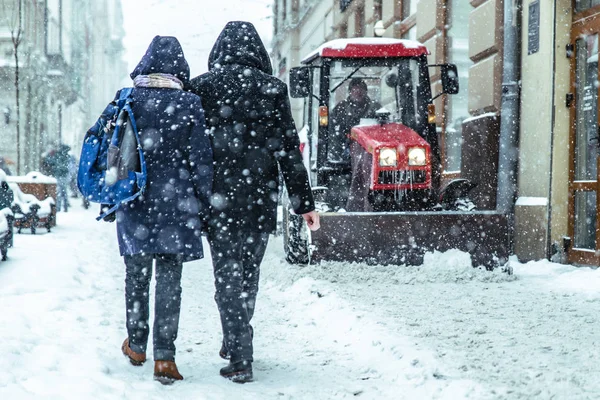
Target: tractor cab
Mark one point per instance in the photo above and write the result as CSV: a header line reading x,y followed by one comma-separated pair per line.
x,y
371,146
370,123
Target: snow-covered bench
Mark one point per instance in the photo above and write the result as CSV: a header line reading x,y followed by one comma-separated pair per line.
x,y
41,187
30,212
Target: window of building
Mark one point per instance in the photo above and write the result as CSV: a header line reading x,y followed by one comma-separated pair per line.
x,y
457,105
411,33
36,26
377,9
276,18
408,25
359,22
388,8
409,7
283,11
53,28
581,5
343,30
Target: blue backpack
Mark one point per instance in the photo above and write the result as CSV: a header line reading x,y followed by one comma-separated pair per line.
x,y
112,169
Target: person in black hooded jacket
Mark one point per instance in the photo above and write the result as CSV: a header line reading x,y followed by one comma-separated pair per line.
x,y
254,139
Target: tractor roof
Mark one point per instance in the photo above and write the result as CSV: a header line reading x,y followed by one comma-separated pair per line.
x,y
368,48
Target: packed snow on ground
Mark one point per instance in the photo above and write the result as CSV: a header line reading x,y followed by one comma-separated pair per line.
x,y
333,331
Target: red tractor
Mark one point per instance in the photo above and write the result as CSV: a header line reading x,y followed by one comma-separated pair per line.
x,y
372,150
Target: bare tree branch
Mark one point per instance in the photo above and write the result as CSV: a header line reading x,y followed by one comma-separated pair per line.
x,y
14,21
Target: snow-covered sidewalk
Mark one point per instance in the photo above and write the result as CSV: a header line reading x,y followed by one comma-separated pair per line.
x,y
332,331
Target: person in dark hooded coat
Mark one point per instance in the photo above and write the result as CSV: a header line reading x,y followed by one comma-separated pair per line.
x,y
165,223
254,139
57,164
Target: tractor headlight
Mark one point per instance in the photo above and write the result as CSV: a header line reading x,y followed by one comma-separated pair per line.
x,y
388,157
416,156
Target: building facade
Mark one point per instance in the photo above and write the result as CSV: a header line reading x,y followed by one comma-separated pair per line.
x,y
524,125
70,58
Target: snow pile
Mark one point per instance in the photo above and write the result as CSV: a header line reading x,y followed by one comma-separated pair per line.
x,y
453,266
563,278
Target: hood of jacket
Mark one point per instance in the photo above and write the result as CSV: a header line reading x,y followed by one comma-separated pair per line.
x,y
164,55
240,44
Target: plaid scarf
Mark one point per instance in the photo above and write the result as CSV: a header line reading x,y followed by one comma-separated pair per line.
x,y
158,81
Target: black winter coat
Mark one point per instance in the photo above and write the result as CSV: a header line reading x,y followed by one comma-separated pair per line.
x,y
253,134
168,217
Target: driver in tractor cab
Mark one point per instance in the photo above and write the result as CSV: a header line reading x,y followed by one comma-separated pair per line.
x,y
347,114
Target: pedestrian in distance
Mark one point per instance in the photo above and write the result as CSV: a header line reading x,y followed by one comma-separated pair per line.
x,y
162,228
254,138
6,200
6,194
73,164
57,164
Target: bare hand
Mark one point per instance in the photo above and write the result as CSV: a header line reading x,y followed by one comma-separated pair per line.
x,y
312,220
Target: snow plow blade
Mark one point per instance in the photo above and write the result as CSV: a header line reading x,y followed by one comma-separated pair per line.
x,y
404,237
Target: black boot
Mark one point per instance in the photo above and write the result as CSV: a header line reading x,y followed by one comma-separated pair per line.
x,y
224,353
239,372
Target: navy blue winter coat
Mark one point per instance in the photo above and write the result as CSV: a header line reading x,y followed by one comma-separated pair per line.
x,y
253,134
168,218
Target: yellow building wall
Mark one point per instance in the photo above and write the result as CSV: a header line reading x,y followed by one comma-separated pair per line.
x,y
536,105
561,149
541,214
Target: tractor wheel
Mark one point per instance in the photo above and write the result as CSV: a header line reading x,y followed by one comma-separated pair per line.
x,y
295,238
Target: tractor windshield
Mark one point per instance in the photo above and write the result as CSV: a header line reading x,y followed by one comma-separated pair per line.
x,y
359,88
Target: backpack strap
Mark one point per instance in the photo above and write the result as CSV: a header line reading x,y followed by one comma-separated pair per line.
x,y
114,208
123,96
117,105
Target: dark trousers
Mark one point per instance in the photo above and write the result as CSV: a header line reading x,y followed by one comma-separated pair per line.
x,y
236,261
167,302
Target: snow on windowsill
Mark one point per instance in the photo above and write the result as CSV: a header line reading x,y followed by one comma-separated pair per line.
x,y
532,201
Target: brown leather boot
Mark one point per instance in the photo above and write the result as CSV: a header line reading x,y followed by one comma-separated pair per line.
x,y
166,372
136,359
